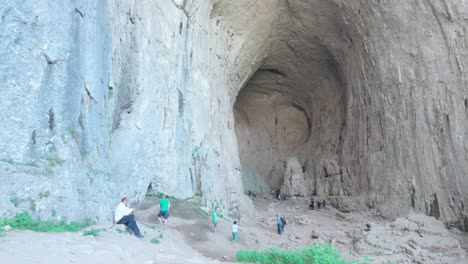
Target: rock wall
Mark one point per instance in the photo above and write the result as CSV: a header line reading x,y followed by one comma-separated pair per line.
x,y
390,132
107,98
54,141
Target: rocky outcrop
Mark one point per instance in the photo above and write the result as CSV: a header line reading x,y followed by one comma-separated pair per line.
x,y
412,239
294,182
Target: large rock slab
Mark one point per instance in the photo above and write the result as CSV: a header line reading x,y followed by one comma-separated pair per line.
x,y
413,239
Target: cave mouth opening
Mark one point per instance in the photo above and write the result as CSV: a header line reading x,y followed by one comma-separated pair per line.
x,y
289,118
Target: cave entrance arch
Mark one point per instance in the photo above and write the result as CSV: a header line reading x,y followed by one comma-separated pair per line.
x,y
289,116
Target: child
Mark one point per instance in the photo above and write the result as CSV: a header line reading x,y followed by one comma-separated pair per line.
x,y
234,232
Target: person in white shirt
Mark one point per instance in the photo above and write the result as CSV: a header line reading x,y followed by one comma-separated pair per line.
x,y
124,216
234,232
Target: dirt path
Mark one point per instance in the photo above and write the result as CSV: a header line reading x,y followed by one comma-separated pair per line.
x,y
193,225
344,231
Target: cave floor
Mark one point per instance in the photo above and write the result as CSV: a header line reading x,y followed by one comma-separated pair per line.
x,y
304,227
188,237
344,231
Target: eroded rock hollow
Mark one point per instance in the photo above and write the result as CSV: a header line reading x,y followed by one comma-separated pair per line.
x,y
364,102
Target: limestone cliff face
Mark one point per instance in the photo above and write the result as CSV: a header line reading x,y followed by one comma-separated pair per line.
x,y
106,98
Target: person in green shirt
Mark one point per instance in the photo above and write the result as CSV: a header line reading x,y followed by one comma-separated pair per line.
x,y
214,220
164,206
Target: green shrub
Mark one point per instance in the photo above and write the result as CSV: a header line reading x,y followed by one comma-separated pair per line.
x,y
93,232
15,200
52,148
24,221
64,139
75,135
316,254
84,154
155,241
43,195
9,161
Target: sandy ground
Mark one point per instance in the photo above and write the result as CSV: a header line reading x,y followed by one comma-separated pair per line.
x,y
110,247
188,238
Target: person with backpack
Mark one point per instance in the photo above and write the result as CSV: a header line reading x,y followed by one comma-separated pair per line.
x,y
283,223
279,224
312,203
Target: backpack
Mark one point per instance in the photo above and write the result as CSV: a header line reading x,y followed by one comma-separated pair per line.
x,y
283,221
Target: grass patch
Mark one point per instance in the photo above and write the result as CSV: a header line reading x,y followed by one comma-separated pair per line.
x,y
28,164
155,241
93,232
9,161
317,254
24,221
120,231
55,160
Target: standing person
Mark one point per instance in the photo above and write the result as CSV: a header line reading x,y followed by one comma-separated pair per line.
x,y
124,216
234,232
164,206
312,203
280,224
283,223
324,204
214,220
294,200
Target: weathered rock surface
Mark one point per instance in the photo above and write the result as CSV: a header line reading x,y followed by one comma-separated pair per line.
x,y
412,239
370,96
102,99
294,182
